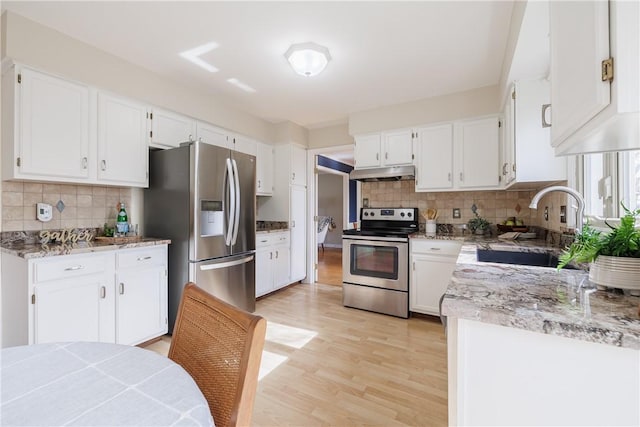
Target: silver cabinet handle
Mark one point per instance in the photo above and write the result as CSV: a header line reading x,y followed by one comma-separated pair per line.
x,y
293,176
377,156
121,288
270,255
513,167
545,123
449,176
259,184
144,258
386,156
84,163
103,292
461,177
276,254
504,168
190,138
103,165
263,241
293,224
435,249
74,268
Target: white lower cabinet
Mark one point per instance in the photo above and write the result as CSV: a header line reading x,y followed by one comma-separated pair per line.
x,y
432,263
141,299
75,297
272,262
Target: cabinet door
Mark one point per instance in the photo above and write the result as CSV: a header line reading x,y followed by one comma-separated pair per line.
x,y
141,304
479,153
122,144
367,151
245,145
579,39
213,135
298,165
430,277
434,160
170,129
281,266
54,127
264,271
298,206
75,309
508,141
398,147
264,170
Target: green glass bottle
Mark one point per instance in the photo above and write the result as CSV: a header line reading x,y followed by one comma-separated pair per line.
x,y
122,222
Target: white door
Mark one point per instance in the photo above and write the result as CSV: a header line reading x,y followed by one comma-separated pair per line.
x,y
264,170
140,301
122,144
434,158
281,266
508,142
479,153
54,126
298,165
578,47
398,147
169,129
213,135
264,271
298,208
74,309
367,151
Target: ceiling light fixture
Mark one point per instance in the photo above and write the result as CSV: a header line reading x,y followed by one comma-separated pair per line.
x,y
308,59
193,55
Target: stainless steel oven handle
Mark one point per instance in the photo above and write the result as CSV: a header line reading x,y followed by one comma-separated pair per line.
x,y
226,264
374,239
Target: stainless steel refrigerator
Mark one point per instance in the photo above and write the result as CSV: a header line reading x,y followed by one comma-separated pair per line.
x,y
202,197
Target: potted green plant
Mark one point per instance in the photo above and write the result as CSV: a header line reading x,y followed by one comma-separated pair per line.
x,y
477,224
614,256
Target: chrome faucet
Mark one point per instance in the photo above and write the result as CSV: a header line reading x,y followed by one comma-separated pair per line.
x,y
569,190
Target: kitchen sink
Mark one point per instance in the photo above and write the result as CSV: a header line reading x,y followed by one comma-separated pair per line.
x,y
521,258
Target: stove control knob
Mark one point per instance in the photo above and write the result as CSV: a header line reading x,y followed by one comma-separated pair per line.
x,y
409,214
402,214
373,214
366,214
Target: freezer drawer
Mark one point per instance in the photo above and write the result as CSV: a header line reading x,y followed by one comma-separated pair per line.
x,y
232,279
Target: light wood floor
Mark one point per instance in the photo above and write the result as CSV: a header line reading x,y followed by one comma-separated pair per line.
x,y
325,364
330,266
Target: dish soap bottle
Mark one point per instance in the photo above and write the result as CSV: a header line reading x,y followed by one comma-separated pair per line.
x,y
122,222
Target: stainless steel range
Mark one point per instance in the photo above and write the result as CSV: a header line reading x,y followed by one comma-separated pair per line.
x,y
375,261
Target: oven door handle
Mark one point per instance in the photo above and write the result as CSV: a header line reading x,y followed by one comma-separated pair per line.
x,y
374,239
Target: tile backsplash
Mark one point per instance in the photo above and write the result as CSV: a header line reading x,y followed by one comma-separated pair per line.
x,y
84,205
495,206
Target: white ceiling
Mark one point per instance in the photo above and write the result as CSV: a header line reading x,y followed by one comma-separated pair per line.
x,y
383,53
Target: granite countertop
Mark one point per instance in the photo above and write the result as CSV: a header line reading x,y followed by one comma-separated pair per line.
x,y
37,250
538,299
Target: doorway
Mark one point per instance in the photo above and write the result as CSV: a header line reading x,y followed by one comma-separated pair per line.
x,y
330,195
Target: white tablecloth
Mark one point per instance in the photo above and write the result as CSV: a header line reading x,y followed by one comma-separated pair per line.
x,y
96,384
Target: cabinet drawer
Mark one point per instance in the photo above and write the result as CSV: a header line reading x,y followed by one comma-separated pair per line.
x,y
64,267
436,247
270,239
153,255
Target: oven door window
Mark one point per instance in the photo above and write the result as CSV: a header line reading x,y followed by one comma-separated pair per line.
x,y
374,261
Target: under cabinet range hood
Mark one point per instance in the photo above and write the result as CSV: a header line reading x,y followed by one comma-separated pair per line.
x,y
388,173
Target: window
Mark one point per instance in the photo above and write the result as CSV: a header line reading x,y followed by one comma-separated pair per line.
x,y
608,179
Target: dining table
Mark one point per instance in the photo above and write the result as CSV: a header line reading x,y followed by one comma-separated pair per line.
x,y
96,384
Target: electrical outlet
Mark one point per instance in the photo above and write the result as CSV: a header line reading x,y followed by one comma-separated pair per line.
x,y
456,213
563,214
546,213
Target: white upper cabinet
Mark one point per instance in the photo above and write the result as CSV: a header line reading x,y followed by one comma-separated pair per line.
x,y
529,160
391,148
298,165
264,170
595,105
397,148
244,145
478,147
212,135
169,129
122,146
434,158
45,127
367,151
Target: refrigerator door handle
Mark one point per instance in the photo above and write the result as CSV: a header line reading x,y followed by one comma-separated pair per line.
x,y
232,204
236,221
226,264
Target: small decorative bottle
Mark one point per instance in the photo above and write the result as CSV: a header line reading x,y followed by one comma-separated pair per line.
x,y
122,222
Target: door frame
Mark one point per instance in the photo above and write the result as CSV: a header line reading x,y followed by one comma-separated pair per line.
x,y
312,203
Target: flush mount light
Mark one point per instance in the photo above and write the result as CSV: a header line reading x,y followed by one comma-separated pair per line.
x,y
194,54
308,59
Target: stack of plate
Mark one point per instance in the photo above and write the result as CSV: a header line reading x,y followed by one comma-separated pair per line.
x,y
616,272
